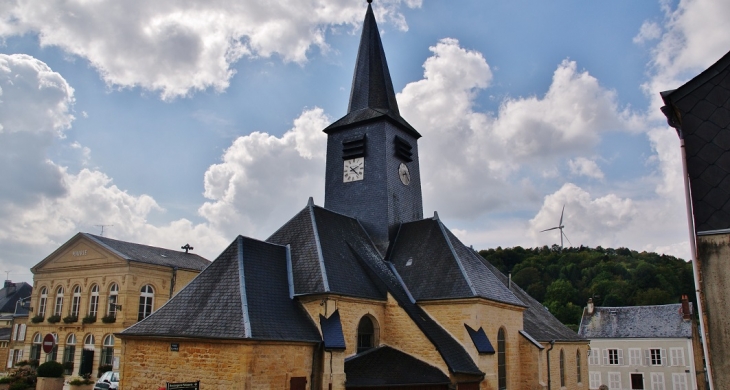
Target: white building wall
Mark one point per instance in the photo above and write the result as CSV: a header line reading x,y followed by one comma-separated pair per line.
x,y
675,358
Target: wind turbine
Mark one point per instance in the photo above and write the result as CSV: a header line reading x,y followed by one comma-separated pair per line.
x,y
560,227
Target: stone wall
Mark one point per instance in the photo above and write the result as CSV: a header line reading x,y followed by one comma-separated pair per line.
x,y
150,364
571,366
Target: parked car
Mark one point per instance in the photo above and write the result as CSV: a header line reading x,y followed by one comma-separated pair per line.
x,y
108,381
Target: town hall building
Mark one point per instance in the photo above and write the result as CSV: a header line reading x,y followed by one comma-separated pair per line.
x,y
363,292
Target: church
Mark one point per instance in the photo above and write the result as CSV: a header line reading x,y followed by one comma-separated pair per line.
x,y
363,292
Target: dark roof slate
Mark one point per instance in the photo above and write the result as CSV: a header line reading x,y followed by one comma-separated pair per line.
x,y
11,293
480,340
537,321
659,321
5,333
386,366
332,332
321,260
244,294
425,253
700,109
372,95
150,254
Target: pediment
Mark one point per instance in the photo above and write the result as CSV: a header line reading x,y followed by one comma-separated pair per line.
x,y
79,252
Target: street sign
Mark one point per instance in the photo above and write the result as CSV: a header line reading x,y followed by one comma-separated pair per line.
x,y
184,386
48,343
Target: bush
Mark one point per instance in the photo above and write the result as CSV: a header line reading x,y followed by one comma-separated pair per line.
x,y
110,319
50,370
37,319
89,319
54,319
70,319
78,381
20,386
5,379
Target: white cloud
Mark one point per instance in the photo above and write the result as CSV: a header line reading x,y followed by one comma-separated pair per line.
x,y
582,166
649,31
263,180
177,48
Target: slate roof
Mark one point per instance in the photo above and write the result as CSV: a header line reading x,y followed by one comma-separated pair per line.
x,y
425,254
700,110
244,294
150,254
386,366
5,333
537,321
372,95
480,340
332,332
321,259
11,293
659,321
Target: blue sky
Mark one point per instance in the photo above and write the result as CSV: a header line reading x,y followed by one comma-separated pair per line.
x,y
192,123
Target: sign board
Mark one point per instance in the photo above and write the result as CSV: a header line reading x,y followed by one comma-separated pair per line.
x,y
184,386
174,347
49,341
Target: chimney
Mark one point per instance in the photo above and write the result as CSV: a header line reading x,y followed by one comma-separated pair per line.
x,y
9,288
686,313
590,306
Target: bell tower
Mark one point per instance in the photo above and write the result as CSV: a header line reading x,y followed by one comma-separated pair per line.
x,y
372,152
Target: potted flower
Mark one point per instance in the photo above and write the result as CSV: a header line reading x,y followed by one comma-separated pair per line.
x,y
37,319
54,319
81,383
70,319
50,376
110,319
90,319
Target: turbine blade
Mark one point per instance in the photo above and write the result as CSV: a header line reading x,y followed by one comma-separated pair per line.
x,y
557,227
566,237
561,216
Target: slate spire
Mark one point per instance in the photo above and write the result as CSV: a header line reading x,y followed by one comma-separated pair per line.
x,y
371,83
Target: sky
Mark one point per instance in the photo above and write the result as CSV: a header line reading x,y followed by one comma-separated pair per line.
x,y
171,122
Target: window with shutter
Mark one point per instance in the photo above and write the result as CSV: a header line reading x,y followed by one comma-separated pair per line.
x,y
657,381
664,357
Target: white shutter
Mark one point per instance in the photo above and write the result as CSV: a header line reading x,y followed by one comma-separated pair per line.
x,y
620,357
20,355
664,356
647,357
10,359
22,332
15,332
605,357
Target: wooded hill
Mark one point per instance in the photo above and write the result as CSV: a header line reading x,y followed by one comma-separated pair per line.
x,y
563,280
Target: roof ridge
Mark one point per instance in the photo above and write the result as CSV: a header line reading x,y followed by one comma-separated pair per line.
x,y
242,286
456,255
320,256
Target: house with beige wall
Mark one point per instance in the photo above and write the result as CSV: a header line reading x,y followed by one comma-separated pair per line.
x,y
93,287
643,347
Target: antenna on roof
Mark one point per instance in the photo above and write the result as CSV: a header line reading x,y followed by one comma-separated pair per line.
x,y
560,227
102,228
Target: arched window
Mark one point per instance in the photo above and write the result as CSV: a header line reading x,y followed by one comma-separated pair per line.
x,y
113,295
562,368
58,309
94,301
107,351
89,342
501,360
35,348
69,352
146,296
365,334
577,366
42,302
76,301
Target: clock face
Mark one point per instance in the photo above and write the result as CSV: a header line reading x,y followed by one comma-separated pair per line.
x,y
354,170
404,174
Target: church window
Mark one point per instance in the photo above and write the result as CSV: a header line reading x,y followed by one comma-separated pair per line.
x,y
578,366
94,301
146,298
501,360
76,301
42,302
107,351
59,302
35,348
562,368
69,352
365,334
113,295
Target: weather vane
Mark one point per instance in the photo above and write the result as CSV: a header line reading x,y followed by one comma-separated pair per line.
x,y
187,248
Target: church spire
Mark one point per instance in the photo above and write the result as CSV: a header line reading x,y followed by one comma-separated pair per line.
x,y
371,83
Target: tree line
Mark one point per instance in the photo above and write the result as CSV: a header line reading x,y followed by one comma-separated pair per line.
x,y
563,279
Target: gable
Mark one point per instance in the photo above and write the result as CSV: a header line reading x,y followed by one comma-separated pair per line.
x,y
79,252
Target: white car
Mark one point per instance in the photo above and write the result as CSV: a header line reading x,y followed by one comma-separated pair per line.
x,y
109,380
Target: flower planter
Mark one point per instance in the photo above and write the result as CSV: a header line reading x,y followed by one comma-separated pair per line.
x,y
49,384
